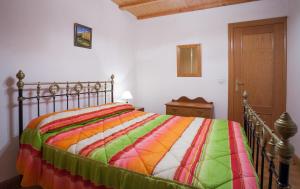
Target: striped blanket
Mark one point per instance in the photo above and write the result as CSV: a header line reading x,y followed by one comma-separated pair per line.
x,y
114,146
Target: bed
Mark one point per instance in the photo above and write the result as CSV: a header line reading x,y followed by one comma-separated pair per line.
x,y
114,146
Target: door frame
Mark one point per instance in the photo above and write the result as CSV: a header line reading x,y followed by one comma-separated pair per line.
x,y
231,81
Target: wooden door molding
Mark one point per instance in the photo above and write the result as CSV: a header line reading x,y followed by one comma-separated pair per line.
x,y
231,66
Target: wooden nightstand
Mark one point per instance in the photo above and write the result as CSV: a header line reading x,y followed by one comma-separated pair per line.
x,y
139,109
184,106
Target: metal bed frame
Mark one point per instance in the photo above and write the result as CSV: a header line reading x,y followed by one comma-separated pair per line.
x,y
64,90
264,142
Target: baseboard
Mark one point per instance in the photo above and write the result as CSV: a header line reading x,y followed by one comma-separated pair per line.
x,y
13,183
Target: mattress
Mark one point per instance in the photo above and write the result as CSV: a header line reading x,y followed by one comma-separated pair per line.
x,y
115,146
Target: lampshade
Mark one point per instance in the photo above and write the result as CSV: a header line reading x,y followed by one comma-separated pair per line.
x,y
127,95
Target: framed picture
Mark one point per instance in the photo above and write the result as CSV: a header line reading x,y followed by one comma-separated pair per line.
x,y
82,36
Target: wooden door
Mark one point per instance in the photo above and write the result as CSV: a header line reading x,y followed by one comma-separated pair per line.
x,y
257,64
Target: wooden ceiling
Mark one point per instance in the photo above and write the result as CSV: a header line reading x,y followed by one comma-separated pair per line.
x,y
143,9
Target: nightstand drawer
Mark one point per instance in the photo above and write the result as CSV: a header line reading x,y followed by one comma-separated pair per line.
x,y
202,113
177,111
189,112
140,109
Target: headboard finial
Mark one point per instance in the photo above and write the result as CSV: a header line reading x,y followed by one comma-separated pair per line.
x,y
20,75
112,77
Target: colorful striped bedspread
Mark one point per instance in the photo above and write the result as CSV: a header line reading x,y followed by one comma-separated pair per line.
x,y
114,146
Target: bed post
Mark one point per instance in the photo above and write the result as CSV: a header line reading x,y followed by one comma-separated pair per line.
x,y
245,102
112,87
20,84
286,129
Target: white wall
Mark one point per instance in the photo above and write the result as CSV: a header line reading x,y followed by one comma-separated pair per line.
x,y
37,37
156,53
293,72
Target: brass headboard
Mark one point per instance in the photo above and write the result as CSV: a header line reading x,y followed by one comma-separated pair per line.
x,y
63,90
266,145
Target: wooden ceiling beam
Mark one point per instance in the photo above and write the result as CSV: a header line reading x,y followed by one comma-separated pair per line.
x,y
137,4
193,8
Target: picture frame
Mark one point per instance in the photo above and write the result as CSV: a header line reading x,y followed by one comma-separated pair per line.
x,y
82,36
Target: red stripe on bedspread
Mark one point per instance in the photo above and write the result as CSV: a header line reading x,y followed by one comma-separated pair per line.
x,y
130,147
36,171
54,178
235,161
82,117
187,167
242,170
88,149
76,130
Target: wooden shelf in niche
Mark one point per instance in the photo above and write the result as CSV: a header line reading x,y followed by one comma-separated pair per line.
x,y
189,60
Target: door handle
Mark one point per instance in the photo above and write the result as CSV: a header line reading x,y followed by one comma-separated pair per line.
x,y
237,84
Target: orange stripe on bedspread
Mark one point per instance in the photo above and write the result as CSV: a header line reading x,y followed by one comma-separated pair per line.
x,y
146,152
34,123
98,144
66,139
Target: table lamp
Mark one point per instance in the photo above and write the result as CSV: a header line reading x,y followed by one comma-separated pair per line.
x,y
126,96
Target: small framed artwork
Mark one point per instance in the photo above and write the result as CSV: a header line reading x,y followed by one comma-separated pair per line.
x,y
82,36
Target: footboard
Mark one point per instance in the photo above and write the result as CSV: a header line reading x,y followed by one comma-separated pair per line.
x,y
266,145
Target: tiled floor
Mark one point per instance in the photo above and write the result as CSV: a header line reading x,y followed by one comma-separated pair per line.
x,y
293,179
295,175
